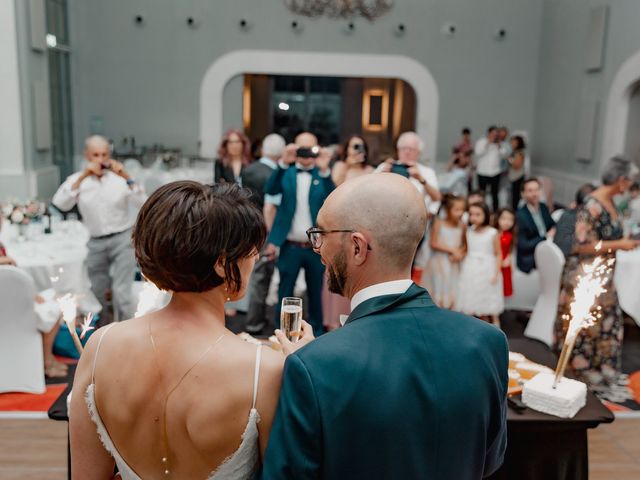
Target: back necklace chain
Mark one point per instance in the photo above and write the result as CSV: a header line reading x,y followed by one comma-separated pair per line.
x,y
165,438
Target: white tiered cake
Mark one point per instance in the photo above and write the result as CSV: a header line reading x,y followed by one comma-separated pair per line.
x,y
563,401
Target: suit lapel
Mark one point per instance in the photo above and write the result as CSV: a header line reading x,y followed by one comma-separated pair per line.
x,y
384,302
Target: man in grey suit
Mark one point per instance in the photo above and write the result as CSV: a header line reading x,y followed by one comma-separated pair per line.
x,y
404,389
255,177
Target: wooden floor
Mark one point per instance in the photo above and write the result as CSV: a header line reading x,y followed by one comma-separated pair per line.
x,y
37,450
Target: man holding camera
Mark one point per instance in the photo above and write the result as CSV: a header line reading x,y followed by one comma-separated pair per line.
x,y
104,192
303,178
410,146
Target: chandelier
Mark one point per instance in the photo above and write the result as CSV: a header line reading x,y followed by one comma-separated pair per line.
x,y
369,9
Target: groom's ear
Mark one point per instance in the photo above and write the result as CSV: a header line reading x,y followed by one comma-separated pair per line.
x,y
359,248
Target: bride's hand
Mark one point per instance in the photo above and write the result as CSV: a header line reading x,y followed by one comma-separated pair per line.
x,y
289,347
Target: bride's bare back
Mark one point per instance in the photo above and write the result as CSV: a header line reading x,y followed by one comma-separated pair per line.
x,y
206,414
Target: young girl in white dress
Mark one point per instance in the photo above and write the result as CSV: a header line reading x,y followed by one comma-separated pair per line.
x,y
480,288
447,252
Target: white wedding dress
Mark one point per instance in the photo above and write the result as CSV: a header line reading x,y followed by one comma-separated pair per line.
x,y
241,465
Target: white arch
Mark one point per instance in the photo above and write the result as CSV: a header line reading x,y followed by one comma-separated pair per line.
x,y
617,115
310,63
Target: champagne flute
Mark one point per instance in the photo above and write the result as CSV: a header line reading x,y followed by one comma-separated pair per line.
x,y
291,317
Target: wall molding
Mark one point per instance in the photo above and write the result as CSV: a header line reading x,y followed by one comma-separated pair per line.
x,y
314,63
617,113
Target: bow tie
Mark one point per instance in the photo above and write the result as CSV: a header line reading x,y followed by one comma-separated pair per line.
x,y
301,170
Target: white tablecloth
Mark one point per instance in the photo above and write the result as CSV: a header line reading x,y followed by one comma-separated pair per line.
x,y
55,260
627,281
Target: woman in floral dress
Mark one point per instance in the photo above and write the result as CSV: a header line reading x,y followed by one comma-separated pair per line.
x,y
597,355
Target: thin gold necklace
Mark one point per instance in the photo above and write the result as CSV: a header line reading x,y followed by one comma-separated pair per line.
x,y
166,464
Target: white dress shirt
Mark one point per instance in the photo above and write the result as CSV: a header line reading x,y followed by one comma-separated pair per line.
x,y
429,175
488,158
302,217
394,287
103,202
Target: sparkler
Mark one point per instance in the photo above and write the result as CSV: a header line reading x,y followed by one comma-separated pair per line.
x,y
589,288
86,325
69,312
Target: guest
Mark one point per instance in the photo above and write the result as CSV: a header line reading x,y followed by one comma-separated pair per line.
x,y
488,163
410,147
104,193
535,225
505,223
465,144
456,181
359,403
597,355
566,226
634,204
304,180
199,242
516,170
355,163
475,196
255,177
48,327
480,289
447,252
234,153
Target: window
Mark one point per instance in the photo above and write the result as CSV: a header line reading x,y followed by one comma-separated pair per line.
x,y
60,85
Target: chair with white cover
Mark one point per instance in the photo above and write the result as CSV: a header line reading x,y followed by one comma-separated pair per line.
x,y
525,291
550,262
21,357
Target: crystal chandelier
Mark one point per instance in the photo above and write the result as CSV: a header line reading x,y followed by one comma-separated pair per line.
x,y
369,9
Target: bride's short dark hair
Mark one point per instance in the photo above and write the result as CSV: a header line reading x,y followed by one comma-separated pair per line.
x,y
185,228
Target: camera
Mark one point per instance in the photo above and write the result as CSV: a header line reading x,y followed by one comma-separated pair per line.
x,y
306,152
359,147
105,166
400,169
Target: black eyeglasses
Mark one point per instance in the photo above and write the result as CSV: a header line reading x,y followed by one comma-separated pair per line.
x,y
316,234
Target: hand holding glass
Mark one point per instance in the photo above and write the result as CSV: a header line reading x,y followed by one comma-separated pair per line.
x,y
290,317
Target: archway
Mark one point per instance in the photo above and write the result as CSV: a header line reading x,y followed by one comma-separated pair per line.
x,y
274,62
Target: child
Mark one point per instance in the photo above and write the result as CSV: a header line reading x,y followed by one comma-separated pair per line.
x,y
505,222
480,284
447,251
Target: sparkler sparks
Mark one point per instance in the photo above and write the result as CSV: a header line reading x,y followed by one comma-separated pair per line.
x,y
86,325
590,286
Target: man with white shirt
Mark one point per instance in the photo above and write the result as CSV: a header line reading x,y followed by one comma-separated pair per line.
x,y
410,147
488,156
104,193
303,178
387,395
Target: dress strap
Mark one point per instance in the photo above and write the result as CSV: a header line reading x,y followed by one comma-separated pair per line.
x,y
95,359
256,375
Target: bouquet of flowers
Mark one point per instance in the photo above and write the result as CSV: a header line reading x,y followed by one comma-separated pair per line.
x,y
22,213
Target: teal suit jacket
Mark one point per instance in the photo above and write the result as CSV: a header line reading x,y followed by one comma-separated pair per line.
x,y
283,181
405,390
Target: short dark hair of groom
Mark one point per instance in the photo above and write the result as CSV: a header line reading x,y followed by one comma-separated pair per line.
x,y
185,228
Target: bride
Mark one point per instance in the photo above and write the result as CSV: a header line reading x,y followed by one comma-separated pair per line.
x,y
174,394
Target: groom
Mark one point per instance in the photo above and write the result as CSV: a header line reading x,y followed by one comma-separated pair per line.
x,y
405,389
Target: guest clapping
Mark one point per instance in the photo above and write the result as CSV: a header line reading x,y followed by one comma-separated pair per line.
x,y
150,390
104,193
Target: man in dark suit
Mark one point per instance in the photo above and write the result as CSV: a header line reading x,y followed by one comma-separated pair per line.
x,y
255,177
303,178
535,225
405,389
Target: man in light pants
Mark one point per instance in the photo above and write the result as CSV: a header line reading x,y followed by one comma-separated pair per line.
x,y
104,193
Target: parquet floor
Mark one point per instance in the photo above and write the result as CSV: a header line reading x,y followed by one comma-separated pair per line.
x,y
36,450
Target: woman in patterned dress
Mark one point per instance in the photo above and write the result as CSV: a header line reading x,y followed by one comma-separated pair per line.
x,y
596,357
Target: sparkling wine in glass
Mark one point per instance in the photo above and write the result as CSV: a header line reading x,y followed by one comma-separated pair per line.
x,y
290,317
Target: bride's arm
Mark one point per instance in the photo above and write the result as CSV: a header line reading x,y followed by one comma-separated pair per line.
x,y
268,393
89,459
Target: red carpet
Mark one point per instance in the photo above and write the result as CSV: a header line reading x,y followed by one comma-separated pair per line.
x,y
29,402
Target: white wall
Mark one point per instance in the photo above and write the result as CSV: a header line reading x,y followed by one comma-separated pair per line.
x,y
11,150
